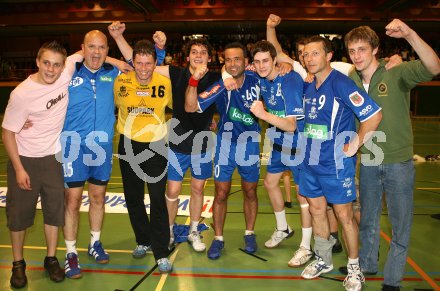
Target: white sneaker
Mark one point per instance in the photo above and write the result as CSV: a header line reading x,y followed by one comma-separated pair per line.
x,y
278,236
196,242
316,268
301,256
354,279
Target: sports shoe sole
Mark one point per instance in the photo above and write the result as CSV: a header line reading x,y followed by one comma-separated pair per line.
x,y
323,271
296,266
77,276
288,236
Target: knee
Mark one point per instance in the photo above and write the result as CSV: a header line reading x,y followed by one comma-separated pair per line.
x,y
172,194
316,210
345,216
269,184
197,191
221,196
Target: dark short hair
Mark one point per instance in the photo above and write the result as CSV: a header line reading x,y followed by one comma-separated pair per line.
x,y
53,46
144,47
264,46
364,33
198,41
325,42
238,45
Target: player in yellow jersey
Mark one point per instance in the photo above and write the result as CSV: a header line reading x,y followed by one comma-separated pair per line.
x,y
141,97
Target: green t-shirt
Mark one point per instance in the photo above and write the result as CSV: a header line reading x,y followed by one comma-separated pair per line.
x,y
391,90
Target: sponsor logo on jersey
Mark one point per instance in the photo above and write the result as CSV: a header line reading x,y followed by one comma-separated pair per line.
x,y
142,93
122,92
279,113
211,92
54,101
315,131
356,99
299,111
382,88
76,82
106,79
237,115
366,110
140,110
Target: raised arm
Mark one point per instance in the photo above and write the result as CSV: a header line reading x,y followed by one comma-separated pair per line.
x,y
399,29
191,103
116,30
271,34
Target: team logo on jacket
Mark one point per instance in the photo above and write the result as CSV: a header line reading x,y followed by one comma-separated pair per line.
x,y
356,99
211,92
382,87
76,82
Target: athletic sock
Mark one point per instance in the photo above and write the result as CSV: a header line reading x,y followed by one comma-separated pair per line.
x,y
306,237
248,232
193,226
218,237
94,236
280,217
71,246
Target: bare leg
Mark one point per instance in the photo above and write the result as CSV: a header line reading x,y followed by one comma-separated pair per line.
x,y
73,198
196,202
318,210
97,206
287,189
344,213
17,240
220,205
306,217
173,191
51,233
271,183
250,203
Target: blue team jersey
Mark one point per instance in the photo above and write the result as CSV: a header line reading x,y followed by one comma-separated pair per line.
x,y
233,106
283,97
90,112
329,123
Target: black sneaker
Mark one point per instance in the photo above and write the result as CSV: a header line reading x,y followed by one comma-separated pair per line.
x,y
18,278
53,268
337,247
288,204
343,270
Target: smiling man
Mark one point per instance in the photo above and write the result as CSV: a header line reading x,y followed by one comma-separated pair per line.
x,y
33,169
141,97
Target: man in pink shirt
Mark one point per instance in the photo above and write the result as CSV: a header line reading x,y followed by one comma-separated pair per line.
x,y
33,169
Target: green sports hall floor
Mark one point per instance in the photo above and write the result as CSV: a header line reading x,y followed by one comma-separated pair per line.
x,y
235,270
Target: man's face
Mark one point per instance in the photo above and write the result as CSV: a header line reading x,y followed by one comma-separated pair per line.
x,y
144,66
264,64
361,54
50,66
315,57
300,48
235,62
95,50
198,55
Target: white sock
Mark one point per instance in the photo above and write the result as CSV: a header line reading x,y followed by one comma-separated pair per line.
x,y
218,237
94,236
248,232
71,246
353,261
172,231
281,220
306,237
193,226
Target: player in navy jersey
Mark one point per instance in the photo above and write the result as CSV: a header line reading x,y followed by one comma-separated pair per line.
x,y
237,141
282,96
331,103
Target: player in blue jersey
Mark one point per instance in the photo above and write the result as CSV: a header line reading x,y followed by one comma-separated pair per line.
x,y
237,141
331,103
282,96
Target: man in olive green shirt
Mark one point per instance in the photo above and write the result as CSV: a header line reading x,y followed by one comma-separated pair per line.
x,y
386,165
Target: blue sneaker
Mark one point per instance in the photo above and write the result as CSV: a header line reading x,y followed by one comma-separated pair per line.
x,y
141,251
98,252
72,267
215,250
164,265
250,243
